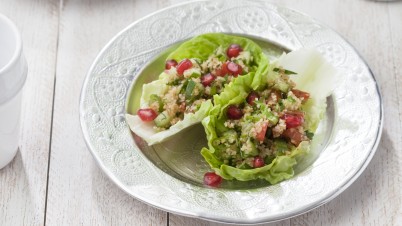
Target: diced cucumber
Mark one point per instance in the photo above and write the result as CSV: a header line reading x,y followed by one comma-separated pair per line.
x,y
309,134
281,85
213,90
246,127
272,118
222,58
192,73
230,136
280,146
189,89
162,120
249,149
196,61
184,86
174,82
245,56
220,51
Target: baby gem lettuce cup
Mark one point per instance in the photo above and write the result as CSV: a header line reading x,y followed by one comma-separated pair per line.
x,y
13,73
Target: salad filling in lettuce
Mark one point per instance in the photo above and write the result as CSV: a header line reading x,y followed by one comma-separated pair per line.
x,y
260,126
199,69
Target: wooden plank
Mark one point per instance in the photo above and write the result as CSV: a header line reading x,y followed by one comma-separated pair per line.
x,y
79,193
394,142
375,198
23,182
176,220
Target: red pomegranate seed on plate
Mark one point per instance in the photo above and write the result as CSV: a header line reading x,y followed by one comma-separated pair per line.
x,y
184,65
212,179
170,63
147,114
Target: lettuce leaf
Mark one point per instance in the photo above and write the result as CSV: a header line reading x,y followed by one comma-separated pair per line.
x,y
281,168
203,46
234,93
314,75
312,71
200,47
146,131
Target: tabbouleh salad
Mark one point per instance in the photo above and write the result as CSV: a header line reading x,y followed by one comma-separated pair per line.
x,y
258,122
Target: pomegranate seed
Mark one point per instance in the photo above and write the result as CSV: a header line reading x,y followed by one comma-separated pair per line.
x,y
301,94
233,50
293,120
233,112
258,162
146,114
184,65
223,70
170,63
212,179
234,69
207,79
252,97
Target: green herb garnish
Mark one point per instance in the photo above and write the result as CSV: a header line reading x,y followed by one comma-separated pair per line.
x,y
288,72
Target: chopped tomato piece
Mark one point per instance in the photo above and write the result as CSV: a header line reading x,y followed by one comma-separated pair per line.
x,y
274,97
261,135
294,135
223,70
147,114
301,94
293,119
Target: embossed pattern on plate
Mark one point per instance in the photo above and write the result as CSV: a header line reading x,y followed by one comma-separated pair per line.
x,y
357,116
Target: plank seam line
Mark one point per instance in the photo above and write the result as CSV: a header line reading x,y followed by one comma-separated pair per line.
x,y
53,103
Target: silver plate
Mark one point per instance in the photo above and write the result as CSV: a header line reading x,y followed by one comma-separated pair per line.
x,y
168,176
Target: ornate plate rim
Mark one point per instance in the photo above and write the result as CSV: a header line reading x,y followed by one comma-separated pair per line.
x,y
259,220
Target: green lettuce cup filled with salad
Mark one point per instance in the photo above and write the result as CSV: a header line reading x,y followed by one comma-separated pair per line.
x,y
259,117
196,71
260,126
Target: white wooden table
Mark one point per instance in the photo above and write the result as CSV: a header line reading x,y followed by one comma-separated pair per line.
x,y
55,181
